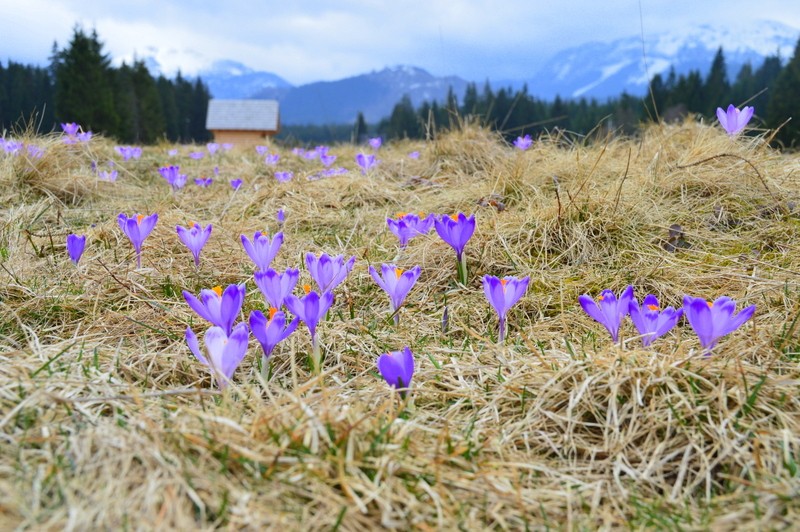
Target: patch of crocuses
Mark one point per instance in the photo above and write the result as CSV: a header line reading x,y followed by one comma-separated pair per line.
x,y
710,320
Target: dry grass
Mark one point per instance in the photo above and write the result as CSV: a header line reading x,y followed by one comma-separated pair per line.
x,y
108,422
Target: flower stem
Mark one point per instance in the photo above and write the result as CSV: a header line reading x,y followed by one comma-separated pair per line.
x,y
462,269
502,334
316,356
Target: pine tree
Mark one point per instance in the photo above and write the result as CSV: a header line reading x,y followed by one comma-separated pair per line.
x,y
785,102
360,131
716,90
166,92
83,84
403,122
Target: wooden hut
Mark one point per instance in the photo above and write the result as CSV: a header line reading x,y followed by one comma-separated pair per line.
x,y
242,121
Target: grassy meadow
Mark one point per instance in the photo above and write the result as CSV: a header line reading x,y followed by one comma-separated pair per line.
x,y
107,421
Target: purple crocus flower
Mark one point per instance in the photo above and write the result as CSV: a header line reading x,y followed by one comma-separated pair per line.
x,y
105,175
397,369
328,272
225,351
503,294
712,321
413,155
272,159
173,152
523,143
220,308
456,230
212,147
75,246
406,226
263,249
70,128
194,238
366,161
270,332
226,146
85,136
397,283
375,143
733,120
172,174
276,286
236,183
197,155
137,228
283,177
203,181
298,151
216,171
281,217
35,152
311,309
610,311
129,152
327,160
261,150
650,321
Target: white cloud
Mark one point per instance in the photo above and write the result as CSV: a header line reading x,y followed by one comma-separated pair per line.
x,y
307,40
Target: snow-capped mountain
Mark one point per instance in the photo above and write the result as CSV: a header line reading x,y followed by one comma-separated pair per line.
x,y
230,80
374,94
605,69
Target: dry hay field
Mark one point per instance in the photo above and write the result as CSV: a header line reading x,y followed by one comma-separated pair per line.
x,y
107,421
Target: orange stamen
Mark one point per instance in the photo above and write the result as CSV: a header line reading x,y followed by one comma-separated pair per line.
x,y
192,224
710,304
600,298
421,215
217,290
400,215
454,217
504,282
272,312
653,307
398,272
139,218
307,288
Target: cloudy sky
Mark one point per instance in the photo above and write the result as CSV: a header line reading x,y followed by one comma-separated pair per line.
x,y
305,40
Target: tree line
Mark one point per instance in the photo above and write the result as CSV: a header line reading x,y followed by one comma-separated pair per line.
x,y
772,89
82,86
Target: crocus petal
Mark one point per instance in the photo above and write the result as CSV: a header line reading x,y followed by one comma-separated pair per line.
x,y
197,306
194,346
234,351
